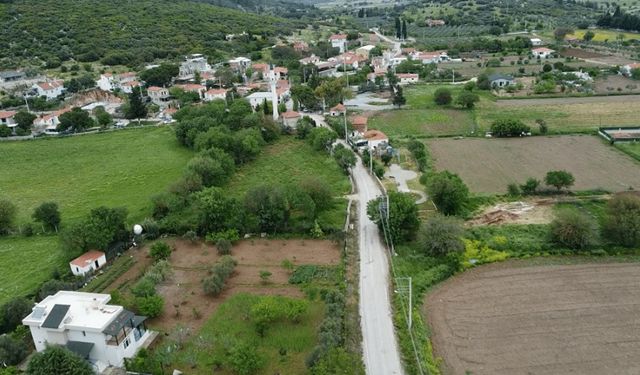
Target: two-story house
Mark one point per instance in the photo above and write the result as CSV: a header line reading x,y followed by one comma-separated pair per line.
x,y
110,82
339,41
159,95
50,90
84,323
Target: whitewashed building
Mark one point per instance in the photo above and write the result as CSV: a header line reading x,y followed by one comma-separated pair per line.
x,y
215,94
407,78
192,64
50,90
6,118
88,262
111,82
339,41
542,52
159,95
85,324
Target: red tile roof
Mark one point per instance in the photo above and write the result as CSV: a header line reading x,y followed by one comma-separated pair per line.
x,y
216,92
542,49
407,75
290,114
359,120
154,88
87,258
339,108
338,37
50,85
6,114
375,135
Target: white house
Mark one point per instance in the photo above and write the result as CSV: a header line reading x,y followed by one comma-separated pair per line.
x,y
309,60
257,98
542,52
159,95
365,51
84,323
6,118
536,42
375,138
129,86
110,82
88,262
215,94
339,41
49,122
407,78
50,90
192,64
239,64
500,80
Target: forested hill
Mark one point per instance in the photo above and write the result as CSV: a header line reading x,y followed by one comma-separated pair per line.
x,y
127,30
282,8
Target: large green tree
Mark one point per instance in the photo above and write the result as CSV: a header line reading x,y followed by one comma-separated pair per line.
x,y
8,212
160,76
402,223
448,192
24,120
12,312
135,108
100,228
48,214
622,222
58,360
559,179
75,120
574,230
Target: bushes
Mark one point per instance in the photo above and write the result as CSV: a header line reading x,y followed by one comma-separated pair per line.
x,y
448,192
58,360
274,308
147,301
442,96
244,359
12,350
150,306
476,253
573,230
332,329
441,235
622,223
160,251
12,312
214,283
509,128
419,152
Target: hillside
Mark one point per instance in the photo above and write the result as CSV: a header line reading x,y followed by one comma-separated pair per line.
x,y
124,31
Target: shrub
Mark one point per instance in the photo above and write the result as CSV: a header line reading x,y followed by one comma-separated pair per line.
x,y
441,235
542,126
223,246
244,359
509,128
214,283
475,254
12,351
559,179
12,312
160,251
58,360
150,306
8,212
151,229
513,190
622,222
573,230
442,96
145,287
47,214
530,186
264,276
448,192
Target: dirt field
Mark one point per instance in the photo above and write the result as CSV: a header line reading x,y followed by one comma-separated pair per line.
x,y
191,261
489,165
570,319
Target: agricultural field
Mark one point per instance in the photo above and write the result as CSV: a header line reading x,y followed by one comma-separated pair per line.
x,y
290,161
212,320
120,168
487,166
631,149
26,262
513,318
422,117
602,35
563,115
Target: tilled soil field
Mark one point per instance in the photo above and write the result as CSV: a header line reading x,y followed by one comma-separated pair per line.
x,y
489,165
569,319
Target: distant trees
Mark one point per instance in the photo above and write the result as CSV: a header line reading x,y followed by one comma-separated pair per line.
x,y
442,96
620,20
12,312
398,97
448,192
509,128
97,230
559,179
75,121
8,212
344,157
103,118
560,32
160,76
47,214
403,222
24,120
78,84
441,235
622,222
57,360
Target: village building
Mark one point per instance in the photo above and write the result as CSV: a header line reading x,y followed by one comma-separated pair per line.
x,y
215,94
627,69
112,82
193,87
365,51
300,46
339,41
239,64
434,23
407,78
290,118
159,96
88,262
49,122
500,80
338,110
375,138
542,52
11,76
129,86
309,60
536,42
6,118
359,124
50,90
87,325
192,64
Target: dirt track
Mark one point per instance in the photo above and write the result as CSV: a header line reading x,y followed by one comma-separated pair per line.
x,y
489,165
575,319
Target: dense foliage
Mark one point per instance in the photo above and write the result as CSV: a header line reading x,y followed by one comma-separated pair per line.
x,y
58,360
620,20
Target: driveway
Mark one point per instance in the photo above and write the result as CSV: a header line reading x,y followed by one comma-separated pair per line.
x,y
363,102
401,176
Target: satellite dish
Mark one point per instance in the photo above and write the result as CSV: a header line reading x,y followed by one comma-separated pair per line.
x,y
137,229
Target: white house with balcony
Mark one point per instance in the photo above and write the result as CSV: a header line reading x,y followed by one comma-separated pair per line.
x,y
85,324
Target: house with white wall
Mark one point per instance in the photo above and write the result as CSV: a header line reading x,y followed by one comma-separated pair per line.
x,y
88,262
290,118
407,78
6,118
339,41
49,122
159,95
542,52
375,138
193,63
50,89
111,82
215,94
626,69
128,87
536,42
87,325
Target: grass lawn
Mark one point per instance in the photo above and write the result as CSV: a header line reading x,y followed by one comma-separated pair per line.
x,y
121,168
25,262
601,35
290,161
421,117
231,324
631,149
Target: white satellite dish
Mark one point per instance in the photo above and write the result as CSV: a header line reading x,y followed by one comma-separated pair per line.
x,y
137,229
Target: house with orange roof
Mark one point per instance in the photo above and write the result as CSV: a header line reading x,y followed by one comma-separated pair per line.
x,y
407,78
88,262
338,110
215,94
627,69
129,86
193,87
111,82
281,72
290,118
542,52
375,138
359,124
159,95
6,118
50,89
49,122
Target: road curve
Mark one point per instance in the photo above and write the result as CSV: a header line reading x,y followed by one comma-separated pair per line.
x,y
379,346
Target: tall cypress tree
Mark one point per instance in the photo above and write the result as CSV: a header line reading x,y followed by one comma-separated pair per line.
x,y
136,106
398,28
404,29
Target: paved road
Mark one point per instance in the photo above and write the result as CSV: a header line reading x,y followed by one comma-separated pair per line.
x,y
379,346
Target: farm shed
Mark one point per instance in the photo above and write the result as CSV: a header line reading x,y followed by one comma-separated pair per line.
x,y
88,262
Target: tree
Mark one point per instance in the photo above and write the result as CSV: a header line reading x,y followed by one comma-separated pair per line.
x,y
58,360
264,276
48,214
12,350
509,128
559,179
12,312
160,250
530,186
159,76
223,246
574,230
483,82
7,215
448,192
103,117
344,157
441,235
100,228
136,108
398,98
319,191
398,28
442,96
75,120
547,68
24,120
216,211
402,223
467,99
588,36
53,286
622,220
404,29
635,73
244,359
560,32
213,172
150,306
305,96
321,138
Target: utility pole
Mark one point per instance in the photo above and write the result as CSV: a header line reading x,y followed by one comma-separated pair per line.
x,y
346,134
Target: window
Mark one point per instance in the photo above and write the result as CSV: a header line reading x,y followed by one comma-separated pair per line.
x,y
126,343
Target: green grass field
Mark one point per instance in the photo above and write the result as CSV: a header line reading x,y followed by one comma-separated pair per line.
x,y
631,149
230,324
421,117
25,262
610,35
290,161
122,168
